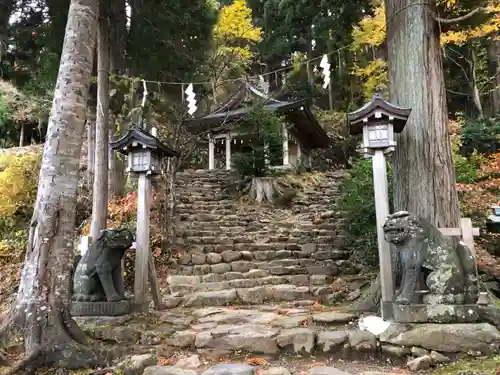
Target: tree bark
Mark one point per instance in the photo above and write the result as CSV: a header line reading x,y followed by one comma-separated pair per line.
x,y
118,42
90,124
100,187
476,95
423,174
51,336
494,66
6,8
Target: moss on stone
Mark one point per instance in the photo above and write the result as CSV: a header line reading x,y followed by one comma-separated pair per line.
x,y
477,366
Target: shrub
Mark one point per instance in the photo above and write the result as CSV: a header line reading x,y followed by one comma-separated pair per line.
x,y
18,187
261,127
358,206
467,170
481,135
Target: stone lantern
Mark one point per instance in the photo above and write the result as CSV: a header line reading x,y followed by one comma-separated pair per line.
x,y
377,121
145,154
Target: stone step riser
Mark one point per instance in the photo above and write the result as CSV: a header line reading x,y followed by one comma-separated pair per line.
x,y
330,268
283,257
251,247
292,243
243,296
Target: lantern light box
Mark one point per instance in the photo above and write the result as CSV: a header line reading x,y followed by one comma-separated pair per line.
x,y
144,151
378,120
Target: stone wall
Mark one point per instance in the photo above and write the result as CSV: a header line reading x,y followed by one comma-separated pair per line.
x,y
232,252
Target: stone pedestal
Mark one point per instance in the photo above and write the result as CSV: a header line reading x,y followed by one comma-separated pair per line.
x,y
117,308
439,313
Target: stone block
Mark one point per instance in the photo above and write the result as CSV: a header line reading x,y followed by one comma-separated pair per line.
x,y
435,313
220,268
231,256
212,298
202,269
241,266
299,338
331,340
446,338
116,308
255,296
362,341
214,258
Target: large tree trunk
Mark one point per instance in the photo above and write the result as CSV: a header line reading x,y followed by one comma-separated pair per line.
x,y
118,42
90,125
423,174
494,70
100,190
51,336
476,95
6,7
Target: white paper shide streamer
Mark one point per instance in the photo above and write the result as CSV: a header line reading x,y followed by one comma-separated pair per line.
x,y
191,99
325,66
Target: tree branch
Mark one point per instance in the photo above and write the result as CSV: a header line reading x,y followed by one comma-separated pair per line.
x,y
461,18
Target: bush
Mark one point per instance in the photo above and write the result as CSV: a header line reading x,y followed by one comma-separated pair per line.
x,y
480,135
358,206
18,187
261,127
467,170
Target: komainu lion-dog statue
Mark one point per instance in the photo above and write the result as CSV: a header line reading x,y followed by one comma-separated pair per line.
x,y
98,275
446,267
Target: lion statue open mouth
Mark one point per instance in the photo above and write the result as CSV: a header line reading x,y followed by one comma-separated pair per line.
x,y
447,268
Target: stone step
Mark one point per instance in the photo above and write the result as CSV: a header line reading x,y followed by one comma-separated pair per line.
x,y
295,257
278,267
286,234
242,296
286,242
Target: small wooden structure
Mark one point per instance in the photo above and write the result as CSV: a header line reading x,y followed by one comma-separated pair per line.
x,y
378,120
303,134
145,154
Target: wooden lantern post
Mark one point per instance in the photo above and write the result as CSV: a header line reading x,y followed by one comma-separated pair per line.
x,y
145,154
377,121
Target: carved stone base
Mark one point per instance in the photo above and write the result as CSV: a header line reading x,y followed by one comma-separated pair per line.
x,y
440,313
117,308
443,299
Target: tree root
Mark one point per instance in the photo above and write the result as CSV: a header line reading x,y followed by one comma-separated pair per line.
x,y
272,190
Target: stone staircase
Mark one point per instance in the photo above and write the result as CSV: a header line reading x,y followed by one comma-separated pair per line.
x,y
236,253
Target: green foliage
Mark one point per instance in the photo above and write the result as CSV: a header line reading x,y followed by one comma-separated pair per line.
x,y
481,135
358,205
467,170
261,127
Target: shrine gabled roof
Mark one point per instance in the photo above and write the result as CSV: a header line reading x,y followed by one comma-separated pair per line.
x,y
298,112
140,136
378,104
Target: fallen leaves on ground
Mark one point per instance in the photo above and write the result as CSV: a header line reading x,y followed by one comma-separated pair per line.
x,y
165,361
256,361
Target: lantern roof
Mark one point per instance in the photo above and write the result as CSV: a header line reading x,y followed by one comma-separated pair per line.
x,y
399,115
137,137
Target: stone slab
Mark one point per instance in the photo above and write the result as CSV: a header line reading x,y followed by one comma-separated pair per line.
x,y
435,313
117,308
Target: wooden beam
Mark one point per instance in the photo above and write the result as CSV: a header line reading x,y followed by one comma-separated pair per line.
x,y
142,252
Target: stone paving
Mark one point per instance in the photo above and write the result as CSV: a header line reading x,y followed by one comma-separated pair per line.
x,y
273,332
